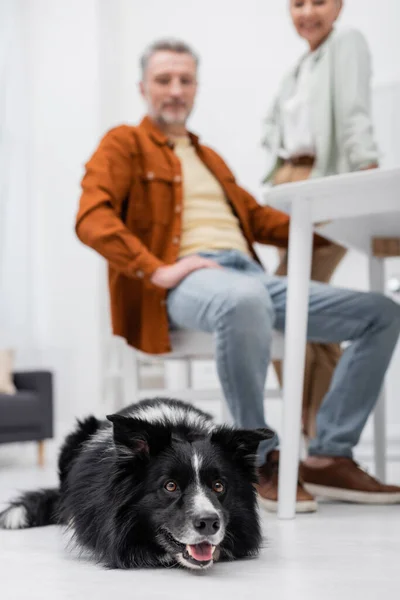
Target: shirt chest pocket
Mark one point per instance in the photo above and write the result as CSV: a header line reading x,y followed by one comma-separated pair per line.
x,y
158,187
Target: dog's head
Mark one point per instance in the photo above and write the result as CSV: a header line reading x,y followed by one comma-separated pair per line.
x,y
195,488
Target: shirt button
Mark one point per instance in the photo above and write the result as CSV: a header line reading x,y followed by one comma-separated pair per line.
x,y
177,178
163,302
175,240
150,175
178,208
139,274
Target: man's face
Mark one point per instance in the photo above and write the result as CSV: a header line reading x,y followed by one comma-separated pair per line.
x,y
169,87
314,19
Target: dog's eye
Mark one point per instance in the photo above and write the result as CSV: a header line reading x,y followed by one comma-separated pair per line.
x,y
218,487
171,486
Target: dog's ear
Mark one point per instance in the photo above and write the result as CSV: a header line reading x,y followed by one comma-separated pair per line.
x,y
241,444
135,437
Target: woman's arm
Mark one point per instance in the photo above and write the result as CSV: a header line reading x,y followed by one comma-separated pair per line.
x,y
352,100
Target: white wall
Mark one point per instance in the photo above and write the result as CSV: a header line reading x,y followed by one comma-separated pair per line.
x,y
65,127
16,273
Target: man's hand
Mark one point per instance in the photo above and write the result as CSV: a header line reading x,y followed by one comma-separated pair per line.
x,y
170,275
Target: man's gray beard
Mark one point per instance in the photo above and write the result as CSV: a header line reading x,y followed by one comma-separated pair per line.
x,y
173,120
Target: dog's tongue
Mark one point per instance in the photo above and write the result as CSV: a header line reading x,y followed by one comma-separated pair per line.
x,y
201,552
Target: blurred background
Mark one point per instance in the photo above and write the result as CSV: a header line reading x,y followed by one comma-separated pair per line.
x,y
68,72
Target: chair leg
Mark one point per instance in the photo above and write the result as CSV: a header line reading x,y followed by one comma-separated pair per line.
x,y
177,374
130,373
226,414
40,453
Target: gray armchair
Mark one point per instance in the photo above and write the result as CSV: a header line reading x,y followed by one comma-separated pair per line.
x,y
28,415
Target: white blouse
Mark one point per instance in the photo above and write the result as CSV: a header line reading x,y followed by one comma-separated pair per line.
x,y
298,137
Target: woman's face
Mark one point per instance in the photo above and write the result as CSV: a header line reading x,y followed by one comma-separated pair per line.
x,y
314,19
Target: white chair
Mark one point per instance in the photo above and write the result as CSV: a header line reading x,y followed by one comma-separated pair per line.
x,y
187,346
191,345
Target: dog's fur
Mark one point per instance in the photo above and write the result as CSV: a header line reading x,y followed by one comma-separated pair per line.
x,y
157,484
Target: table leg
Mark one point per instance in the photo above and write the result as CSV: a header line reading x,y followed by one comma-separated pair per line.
x,y
299,269
377,284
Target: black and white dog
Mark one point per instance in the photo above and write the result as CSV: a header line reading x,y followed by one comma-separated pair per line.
x,y
157,484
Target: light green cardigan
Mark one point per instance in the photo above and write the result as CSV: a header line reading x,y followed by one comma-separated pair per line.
x,y
340,107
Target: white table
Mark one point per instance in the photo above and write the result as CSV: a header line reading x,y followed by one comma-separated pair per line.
x,y
358,205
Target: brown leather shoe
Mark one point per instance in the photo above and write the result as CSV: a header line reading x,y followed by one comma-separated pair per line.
x,y
267,488
345,480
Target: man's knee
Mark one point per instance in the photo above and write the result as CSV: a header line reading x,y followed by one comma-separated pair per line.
x,y
250,302
384,308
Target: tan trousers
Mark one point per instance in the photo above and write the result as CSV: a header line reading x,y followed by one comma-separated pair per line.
x,y
321,359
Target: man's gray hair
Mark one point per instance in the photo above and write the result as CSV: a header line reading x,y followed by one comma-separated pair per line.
x,y
166,45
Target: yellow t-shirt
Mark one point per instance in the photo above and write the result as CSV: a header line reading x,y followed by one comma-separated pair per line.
x,y
208,222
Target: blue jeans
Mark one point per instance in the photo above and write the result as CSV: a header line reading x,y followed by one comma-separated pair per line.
x,y
242,304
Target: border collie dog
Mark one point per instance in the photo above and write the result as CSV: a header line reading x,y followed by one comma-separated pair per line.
x,y
157,484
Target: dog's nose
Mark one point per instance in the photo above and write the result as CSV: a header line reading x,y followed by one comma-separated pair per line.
x,y
207,524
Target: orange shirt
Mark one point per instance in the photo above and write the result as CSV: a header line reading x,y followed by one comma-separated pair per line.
x,y
131,213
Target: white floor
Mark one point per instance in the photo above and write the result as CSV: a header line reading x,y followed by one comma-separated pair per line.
x,y
343,552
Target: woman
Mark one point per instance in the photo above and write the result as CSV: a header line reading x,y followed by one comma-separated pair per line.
x,y
319,125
